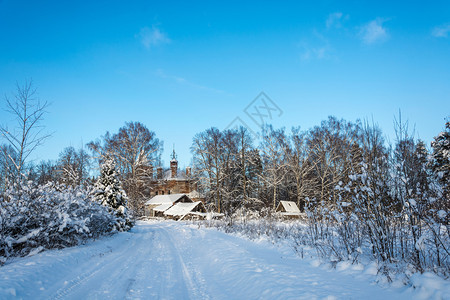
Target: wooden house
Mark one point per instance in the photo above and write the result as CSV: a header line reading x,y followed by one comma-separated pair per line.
x,y
287,209
180,211
157,205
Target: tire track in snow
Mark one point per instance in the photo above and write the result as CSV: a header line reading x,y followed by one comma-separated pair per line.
x,y
153,278
123,280
195,283
106,278
94,269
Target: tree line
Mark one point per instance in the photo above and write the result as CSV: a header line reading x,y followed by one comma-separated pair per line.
x,y
317,165
355,189
314,167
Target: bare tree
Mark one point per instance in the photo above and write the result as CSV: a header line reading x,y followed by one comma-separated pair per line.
x,y
46,171
323,156
297,156
73,166
246,164
275,168
330,154
225,163
207,148
27,134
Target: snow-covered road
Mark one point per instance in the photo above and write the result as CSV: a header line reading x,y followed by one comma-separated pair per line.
x,y
170,260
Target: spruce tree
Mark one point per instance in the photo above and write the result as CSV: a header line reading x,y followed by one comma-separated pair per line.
x,y
109,192
441,159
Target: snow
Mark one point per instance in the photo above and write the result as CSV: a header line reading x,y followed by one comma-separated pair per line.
x,y
181,209
163,207
430,286
172,260
164,199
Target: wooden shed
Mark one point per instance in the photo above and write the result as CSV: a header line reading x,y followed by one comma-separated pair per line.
x,y
179,211
157,205
288,209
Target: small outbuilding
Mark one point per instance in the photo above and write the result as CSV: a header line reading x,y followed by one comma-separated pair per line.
x,y
288,209
179,211
157,205
159,210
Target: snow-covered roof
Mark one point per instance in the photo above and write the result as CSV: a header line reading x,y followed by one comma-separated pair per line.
x,y
162,207
288,207
181,209
163,199
195,194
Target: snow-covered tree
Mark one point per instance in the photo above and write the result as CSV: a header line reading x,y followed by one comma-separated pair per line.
x,y
441,158
8,172
108,191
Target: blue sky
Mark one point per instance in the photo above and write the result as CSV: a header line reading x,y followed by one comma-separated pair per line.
x,y
181,68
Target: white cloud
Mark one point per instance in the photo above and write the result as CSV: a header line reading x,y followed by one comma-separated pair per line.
x,y
374,32
151,37
334,20
441,31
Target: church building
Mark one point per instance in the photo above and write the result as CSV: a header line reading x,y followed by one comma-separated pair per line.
x,y
173,181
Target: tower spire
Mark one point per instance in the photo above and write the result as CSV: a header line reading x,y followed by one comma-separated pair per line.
x,y
174,155
174,164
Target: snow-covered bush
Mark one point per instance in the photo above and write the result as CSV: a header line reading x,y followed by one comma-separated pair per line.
x,y
34,218
336,234
254,229
354,236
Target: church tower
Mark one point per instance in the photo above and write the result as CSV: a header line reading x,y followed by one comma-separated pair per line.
x,y
174,165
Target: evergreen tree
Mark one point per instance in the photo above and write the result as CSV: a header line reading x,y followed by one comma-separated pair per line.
x,y
441,159
109,192
422,184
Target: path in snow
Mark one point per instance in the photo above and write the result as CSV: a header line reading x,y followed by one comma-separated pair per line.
x,y
169,260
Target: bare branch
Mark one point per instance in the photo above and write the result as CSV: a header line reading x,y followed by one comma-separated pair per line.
x,y
28,112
